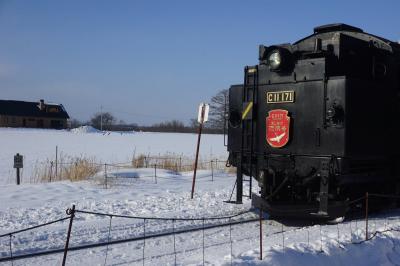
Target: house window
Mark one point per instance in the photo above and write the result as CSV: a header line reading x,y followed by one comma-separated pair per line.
x,y
13,120
52,110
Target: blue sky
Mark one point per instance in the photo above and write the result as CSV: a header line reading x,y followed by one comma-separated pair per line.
x,y
150,61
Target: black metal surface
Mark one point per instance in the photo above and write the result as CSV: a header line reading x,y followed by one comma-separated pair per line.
x,y
307,211
346,87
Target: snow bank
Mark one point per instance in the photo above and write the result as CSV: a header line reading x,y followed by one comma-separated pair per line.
x,y
90,129
169,197
383,250
85,129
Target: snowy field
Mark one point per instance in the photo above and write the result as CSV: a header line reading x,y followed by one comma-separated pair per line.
x,y
39,146
142,195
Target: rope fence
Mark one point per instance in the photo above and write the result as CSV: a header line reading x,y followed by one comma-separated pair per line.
x,y
199,230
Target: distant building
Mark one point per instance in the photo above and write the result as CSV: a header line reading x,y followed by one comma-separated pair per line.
x,y
32,114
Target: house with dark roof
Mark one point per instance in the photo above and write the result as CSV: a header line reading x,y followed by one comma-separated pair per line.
x,y
32,114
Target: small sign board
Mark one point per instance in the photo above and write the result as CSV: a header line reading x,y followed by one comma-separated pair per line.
x,y
18,161
206,107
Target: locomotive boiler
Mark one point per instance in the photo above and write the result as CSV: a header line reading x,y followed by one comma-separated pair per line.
x,y
315,122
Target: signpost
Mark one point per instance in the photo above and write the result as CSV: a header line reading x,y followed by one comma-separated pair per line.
x,y
18,163
201,118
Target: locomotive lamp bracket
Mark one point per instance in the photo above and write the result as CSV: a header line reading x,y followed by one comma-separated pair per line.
x,y
262,52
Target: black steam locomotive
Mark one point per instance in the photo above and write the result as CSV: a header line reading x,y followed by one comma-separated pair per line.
x,y
316,122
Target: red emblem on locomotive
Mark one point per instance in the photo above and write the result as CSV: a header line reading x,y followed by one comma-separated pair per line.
x,y
278,123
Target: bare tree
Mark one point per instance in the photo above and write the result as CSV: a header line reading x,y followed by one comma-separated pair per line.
x,y
193,123
106,119
217,110
170,126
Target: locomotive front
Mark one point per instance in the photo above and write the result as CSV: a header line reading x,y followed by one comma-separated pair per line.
x,y
315,122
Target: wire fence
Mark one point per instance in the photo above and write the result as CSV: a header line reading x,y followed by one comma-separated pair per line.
x,y
108,173
201,238
156,169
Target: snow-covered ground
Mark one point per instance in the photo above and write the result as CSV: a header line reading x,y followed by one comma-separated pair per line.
x,y
39,146
169,197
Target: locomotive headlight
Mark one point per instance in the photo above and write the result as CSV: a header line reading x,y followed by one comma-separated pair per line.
x,y
280,59
275,60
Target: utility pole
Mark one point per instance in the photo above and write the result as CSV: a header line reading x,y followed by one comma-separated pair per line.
x,y
101,117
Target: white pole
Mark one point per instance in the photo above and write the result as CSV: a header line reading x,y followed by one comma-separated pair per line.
x,y
101,118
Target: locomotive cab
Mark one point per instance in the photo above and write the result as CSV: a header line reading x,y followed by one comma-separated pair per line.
x,y
315,122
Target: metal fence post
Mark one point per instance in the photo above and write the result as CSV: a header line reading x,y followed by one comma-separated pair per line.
x,y
230,237
76,170
261,234
70,212
51,170
283,238
366,216
320,233
108,240
18,177
173,231
144,237
56,171
61,167
203,239
155,173
105,174
212,171
11,252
